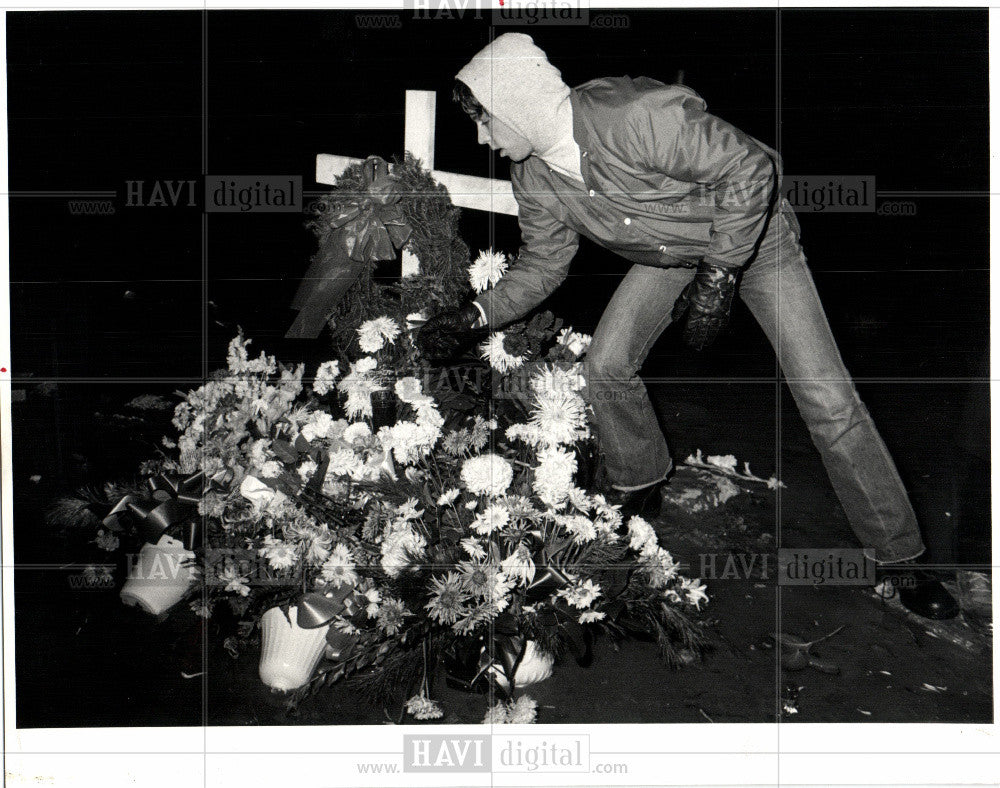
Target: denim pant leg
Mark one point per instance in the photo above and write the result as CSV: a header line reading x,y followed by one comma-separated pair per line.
x,y
635,451
778,288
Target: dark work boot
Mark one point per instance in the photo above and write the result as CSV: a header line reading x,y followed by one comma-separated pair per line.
x,y
920,591
645,502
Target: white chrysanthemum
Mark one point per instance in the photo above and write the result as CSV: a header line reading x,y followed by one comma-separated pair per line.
x,y
492,350
359,430
554,475
423,708
280,555
559,416
358,386
410,391
326,375
522,711
528,433
373,334
587,616
660,566
558,378
487,474
487,270
580,527
318,426
642,537
576,343
493,519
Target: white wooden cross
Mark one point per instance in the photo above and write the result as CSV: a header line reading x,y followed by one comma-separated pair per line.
x,y
466,191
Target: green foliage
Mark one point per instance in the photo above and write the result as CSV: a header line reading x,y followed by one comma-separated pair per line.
x,y
435,240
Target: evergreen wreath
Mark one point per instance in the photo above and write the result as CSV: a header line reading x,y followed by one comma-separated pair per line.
x,y
435,240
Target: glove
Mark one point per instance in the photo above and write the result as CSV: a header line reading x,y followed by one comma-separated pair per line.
x,y
706,300
444,334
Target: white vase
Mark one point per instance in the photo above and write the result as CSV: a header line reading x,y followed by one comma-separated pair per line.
x,y
160,576
535,665
288,654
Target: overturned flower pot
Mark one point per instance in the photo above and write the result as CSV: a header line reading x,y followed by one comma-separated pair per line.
x,y
289,653
159,576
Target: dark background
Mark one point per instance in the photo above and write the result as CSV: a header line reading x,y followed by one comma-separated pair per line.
x,y
145,300
97,99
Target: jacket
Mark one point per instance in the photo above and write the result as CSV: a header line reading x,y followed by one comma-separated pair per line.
x,y
665,184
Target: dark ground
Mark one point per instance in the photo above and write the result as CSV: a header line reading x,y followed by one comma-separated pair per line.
x,y
85,659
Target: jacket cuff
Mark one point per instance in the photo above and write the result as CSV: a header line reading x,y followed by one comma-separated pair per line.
x,y
482,322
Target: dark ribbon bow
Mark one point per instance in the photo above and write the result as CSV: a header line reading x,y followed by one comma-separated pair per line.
x,y
316,610
366,228
171,504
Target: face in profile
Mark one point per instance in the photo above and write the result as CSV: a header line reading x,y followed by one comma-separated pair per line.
x,y
499,136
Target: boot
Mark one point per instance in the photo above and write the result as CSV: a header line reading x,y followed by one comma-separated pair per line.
x,y
645,502
920,591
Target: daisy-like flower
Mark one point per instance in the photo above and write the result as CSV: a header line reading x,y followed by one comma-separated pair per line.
x,y
373,334
326,376
338,569
587,616
448,497
554,475
423,708
493,519
473,548
487,474
694,590
279,554
391,615
479,615
581,594
493,351
487,269
448,598
478,579
481,429
456,442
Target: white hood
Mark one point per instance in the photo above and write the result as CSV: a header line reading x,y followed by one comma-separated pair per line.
x,y
513,79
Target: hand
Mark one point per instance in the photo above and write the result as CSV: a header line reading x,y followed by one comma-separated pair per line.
x,y
706,300
444,334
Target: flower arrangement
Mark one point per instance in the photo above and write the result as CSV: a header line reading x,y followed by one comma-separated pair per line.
x,y
423,542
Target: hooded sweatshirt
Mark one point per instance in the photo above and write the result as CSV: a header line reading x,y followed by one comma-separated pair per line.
x,y
514,80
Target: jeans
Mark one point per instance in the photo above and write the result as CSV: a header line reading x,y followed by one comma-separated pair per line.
x,y
779,291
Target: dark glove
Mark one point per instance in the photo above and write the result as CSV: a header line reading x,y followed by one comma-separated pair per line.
x,y
706,301
446,333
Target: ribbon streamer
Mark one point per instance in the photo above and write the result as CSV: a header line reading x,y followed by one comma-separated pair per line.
x,y
367,228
